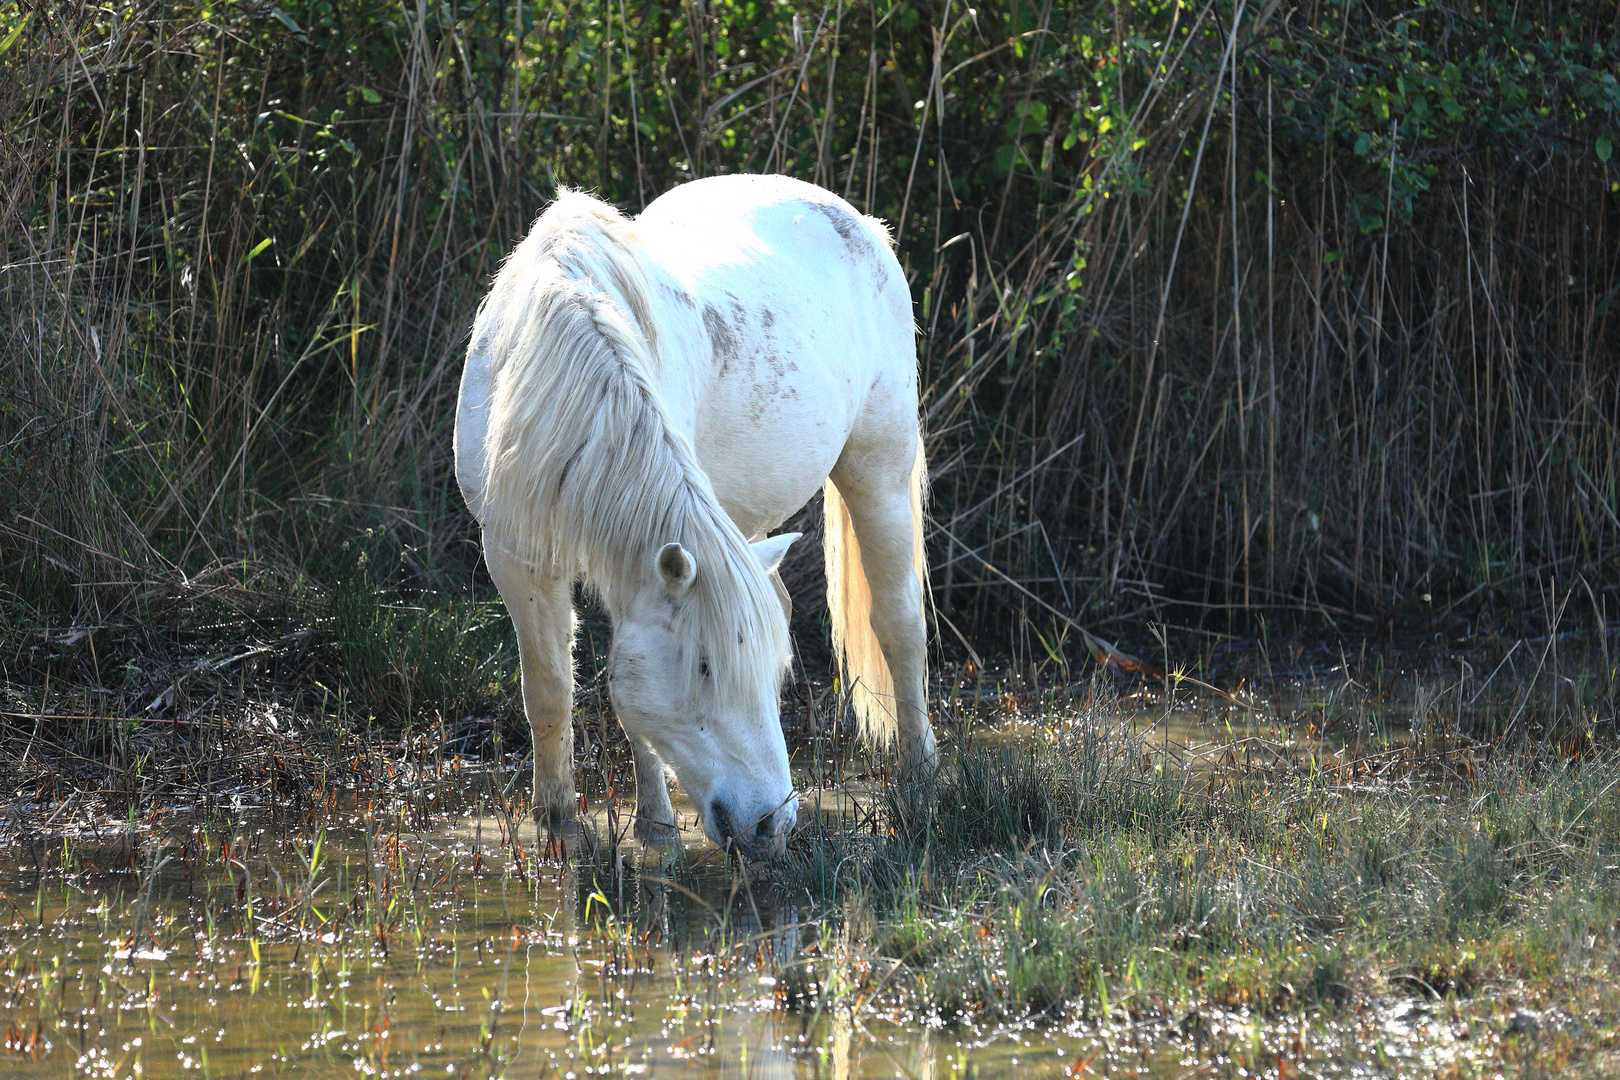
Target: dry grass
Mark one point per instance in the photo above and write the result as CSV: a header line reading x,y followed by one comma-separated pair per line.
x,y
1194,369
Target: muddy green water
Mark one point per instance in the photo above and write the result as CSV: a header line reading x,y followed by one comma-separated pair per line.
x,y
241,945
159,954
143,962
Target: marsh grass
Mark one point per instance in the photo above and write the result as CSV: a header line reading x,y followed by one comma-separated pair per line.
x,y
1093,872
265,692
416,655
1086,876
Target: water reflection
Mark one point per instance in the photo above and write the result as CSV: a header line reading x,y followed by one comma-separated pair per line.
x,y
262,948
241,944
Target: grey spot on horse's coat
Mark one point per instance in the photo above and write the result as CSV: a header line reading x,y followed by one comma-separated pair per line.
x,y
767,317
721,337
680,296
842,221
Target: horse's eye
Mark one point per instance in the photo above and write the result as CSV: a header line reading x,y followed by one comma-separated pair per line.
x,y
703,666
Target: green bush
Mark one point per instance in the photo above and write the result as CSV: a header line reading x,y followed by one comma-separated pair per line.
x,y
1232,306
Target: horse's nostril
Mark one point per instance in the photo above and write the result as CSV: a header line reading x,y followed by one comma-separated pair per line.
x,y
721,817
766,827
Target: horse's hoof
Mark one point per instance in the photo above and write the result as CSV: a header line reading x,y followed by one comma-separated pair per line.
x,y
919,757
552,818
657,834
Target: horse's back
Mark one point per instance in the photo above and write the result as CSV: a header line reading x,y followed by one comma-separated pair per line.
x,y
789,217
800,331
783,333
780,242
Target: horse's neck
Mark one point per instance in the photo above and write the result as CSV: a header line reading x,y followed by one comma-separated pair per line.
x,y
676,341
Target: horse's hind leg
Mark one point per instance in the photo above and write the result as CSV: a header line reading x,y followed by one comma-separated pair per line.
x,y
542,613
875,484
655,817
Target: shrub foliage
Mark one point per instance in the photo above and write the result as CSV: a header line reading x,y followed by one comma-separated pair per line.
x,y
1225,307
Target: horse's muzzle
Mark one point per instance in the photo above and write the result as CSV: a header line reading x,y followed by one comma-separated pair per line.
x,y
762,838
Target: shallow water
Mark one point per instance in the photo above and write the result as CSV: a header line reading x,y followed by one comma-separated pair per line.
x,y
165,953
173,951
242,943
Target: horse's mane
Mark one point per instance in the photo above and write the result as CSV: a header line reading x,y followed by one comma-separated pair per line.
x,y
585,473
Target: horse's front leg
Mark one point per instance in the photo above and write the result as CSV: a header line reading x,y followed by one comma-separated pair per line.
x,y
655,817
542,613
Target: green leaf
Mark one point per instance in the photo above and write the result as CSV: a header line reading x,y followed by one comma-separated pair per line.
x,y
371,96
1003,161
286,20
1029,118
15,33
259,247
1605,145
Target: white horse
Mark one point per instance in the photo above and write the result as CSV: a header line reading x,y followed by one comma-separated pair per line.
x,y
643,401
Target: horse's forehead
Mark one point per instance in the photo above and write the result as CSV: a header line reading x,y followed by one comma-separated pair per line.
x,y
652,606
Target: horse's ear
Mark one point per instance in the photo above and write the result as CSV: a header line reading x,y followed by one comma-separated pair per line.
x,y
676,567
770,550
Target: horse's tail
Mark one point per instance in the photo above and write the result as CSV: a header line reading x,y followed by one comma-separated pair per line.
x,y
867,679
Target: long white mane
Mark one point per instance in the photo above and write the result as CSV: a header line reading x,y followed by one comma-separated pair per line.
x,y
584,472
